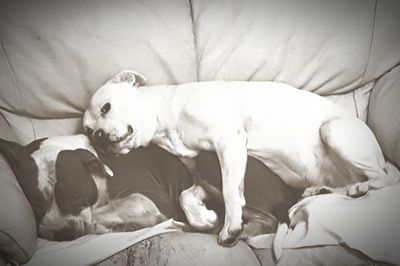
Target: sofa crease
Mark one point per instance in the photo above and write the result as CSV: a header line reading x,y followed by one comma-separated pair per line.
x,y
12,71
194,39
371,44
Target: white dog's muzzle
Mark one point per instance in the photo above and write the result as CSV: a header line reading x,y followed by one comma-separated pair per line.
x,y
111,143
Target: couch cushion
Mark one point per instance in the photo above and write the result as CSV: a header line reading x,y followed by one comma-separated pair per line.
x,y
2,260
55,54
316,256
356,101
322,46
17,222
27,129
384,113
180,248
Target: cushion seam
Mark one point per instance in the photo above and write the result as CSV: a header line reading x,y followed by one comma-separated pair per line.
x,y
8,124
15,242
371,44
194,40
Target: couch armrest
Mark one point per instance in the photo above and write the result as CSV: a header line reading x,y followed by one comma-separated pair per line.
x,y
17,221
384,113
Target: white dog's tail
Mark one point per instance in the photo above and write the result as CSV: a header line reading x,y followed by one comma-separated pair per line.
x,y
392,177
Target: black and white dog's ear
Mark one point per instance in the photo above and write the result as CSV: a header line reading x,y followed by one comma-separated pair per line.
x,y
13,151
93,164
75,188
129,76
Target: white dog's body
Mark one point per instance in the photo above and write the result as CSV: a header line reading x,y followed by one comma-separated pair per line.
x,y
281,127
305,139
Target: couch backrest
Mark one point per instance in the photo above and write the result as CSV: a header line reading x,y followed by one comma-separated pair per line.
x,y
54,54
324,46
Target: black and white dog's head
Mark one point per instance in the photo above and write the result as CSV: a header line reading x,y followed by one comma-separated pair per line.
x,y
58,176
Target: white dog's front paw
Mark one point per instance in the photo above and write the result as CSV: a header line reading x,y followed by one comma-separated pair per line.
x,y
204,220
230,235
357,190
232,228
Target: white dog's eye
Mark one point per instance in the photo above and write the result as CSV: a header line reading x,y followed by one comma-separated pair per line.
x,y
105,109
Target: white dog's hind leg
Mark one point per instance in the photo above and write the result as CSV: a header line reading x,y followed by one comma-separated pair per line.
x,y
192,203
192,200
356,149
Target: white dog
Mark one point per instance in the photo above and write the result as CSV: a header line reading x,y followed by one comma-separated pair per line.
x,y
308,141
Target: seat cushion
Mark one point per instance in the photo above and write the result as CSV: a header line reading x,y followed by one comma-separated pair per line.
x,y
180,248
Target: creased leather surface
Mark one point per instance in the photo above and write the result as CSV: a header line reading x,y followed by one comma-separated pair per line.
x,y
384,114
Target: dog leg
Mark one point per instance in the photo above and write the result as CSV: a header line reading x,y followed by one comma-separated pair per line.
x,y
130,213
192,203
313,191
232,155
256,223
192,200
356,149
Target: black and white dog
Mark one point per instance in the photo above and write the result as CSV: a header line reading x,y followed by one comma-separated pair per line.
x,y
75,190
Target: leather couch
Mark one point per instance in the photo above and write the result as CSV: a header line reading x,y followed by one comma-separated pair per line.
x,y
54,54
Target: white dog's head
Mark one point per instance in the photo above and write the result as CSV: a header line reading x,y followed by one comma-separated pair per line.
x,y
119,116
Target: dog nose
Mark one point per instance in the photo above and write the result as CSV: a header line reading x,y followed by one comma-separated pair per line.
x,y
99,134
65,234
130,129
72,229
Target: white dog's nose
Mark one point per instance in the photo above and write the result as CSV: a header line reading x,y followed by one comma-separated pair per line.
x,y
130,129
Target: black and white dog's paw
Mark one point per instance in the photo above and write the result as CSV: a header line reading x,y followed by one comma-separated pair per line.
x,y
313,191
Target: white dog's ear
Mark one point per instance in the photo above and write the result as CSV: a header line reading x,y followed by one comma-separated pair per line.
x,y
129,76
